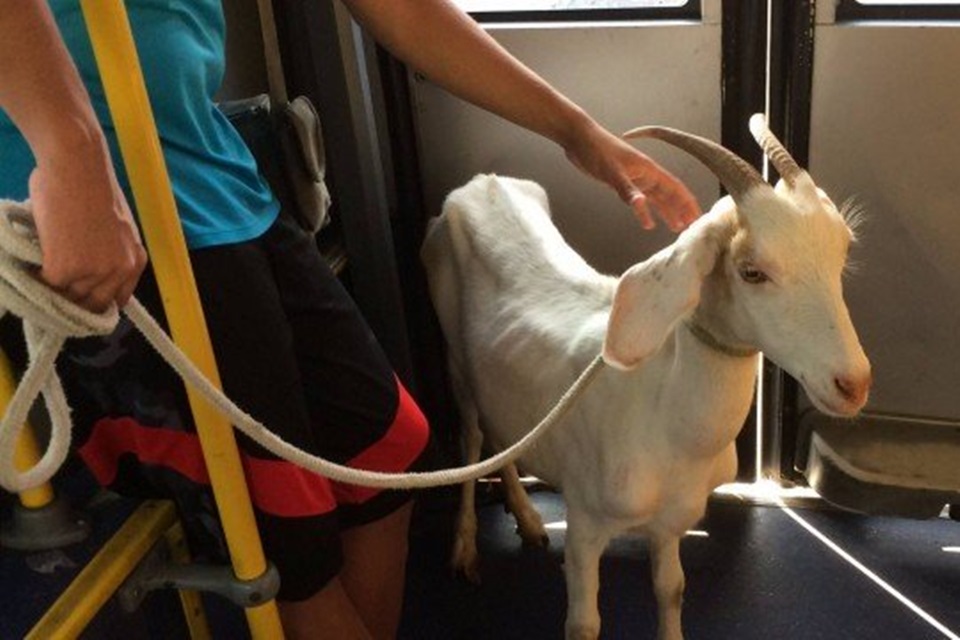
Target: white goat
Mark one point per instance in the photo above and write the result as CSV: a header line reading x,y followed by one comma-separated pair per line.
x,y
646,444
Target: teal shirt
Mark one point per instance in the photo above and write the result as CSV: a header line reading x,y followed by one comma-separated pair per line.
x,y
220,196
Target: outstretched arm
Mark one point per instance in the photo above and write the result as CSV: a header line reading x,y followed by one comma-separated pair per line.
x,y
440,41
91,247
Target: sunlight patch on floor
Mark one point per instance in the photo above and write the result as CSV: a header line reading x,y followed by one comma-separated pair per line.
x,y
561,525
765,491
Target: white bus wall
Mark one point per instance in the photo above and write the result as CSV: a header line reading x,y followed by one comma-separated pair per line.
x,y
885,129
625,76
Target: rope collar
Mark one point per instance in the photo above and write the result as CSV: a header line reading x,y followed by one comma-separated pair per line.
x,y
707,339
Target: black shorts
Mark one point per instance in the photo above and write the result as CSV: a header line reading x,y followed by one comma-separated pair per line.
x,y
293,351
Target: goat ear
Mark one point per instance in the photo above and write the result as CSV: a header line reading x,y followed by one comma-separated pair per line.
x,y
651,297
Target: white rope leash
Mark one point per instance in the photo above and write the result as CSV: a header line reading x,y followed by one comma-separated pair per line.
x,y
49,319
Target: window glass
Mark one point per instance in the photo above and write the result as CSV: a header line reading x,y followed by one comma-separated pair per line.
x,y
559,5
898,10
906,3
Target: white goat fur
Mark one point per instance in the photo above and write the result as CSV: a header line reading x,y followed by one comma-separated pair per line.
x,y
643,448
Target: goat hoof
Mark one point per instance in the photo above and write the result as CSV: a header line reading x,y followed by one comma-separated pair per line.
x,y
465,561
582,633
472,574
470,571
535,540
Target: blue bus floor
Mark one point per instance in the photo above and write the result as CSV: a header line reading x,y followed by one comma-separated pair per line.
x,y
751,572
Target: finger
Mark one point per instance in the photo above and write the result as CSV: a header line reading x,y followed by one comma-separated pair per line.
x,y
129,284
93,294
636,198
638,202
679,199
670,216
675,204
672,198
125,292
98,300
114,290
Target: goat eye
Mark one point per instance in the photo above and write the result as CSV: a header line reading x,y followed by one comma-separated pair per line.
x,y
750,274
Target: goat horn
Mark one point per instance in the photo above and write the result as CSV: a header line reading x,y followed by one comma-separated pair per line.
x,y
737,175
786,166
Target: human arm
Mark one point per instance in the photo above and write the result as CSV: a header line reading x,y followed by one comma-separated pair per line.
x,y
440,41
91,247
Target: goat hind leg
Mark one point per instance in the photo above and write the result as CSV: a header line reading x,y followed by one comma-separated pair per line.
x,y
464,558
668,584
529,523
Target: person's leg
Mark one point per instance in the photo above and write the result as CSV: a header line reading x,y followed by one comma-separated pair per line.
x,y
361,415
374,570
296,510
329,613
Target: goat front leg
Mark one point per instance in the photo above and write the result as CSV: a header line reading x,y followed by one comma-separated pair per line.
x,y
464,558
668,584
584,545
529,523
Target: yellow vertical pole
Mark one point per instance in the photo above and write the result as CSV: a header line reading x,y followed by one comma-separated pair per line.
x,y
25,457
27,453
126,94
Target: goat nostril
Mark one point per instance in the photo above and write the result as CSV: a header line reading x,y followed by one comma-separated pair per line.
x,y
852,389
846,387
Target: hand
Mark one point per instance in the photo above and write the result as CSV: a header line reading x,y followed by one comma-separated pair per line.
x,y
638,180
91,247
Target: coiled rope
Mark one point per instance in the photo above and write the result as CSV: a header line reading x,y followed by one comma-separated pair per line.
x,y
49,319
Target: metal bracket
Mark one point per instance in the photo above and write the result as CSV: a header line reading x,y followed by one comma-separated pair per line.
x,y
51,526
158,571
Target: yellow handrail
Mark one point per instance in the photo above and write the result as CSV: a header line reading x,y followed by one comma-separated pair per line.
x,y
126,94
103,575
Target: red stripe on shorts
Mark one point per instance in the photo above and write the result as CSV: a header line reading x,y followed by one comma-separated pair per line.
x,y
399,447
277,487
